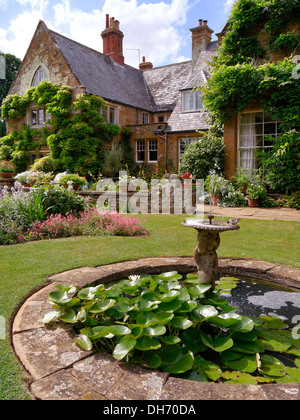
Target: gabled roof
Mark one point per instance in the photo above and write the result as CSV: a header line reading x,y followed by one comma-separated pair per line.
x,y
104,77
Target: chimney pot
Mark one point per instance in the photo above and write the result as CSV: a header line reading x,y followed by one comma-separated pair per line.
x,y
200,22
107,21
205,22
144,59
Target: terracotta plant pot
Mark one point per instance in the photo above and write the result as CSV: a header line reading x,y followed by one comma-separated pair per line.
x,y
215,199
252,203
7,175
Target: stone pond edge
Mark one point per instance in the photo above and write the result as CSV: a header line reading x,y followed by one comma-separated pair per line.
x,y
58,369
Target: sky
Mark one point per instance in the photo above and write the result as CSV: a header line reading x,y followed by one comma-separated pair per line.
x,y
156,29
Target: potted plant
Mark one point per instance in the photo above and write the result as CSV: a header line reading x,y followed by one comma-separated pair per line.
x,y
72,179
215,186
7,169
255,192
242,179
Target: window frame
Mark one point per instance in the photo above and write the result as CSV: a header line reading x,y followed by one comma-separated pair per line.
x,y
196,96
150,142
267,120
37,111
40,70
137,144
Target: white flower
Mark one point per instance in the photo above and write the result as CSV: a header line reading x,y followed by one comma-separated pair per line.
x,y
133,278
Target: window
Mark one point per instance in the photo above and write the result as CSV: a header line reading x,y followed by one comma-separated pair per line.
x,y
184,143
191,101
254,129
140,151
39,76
38,117
145,118
110,114
152,151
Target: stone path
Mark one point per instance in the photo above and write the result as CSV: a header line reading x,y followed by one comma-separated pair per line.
x,y
59,370
276,213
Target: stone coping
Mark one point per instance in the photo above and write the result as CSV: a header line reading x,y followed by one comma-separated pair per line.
x,y
59,370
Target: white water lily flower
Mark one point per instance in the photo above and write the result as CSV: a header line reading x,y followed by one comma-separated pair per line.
x,y
133,278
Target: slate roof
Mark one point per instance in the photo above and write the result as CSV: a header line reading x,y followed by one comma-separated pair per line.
x,y
155,90
103,77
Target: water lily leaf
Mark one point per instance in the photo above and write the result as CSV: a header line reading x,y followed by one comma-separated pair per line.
x,y
144,319
89,292
188,306
170,306
239,378
69,317
184,364
50,316
168,276
171,340
248,347
103,306
247,363
274,322
244,325
192,340
229,355
151,360
155,330
168,297
59,296
222,343
84,342
118,330
148,305
198,289
161,318
181,323
125,345
226,320
147,343
240,336
275,340
66,288
210,369
203,312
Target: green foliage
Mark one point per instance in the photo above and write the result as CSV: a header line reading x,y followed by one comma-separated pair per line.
x,y
284,41
75,134
204,155
281,163
73,178
113,161
182,328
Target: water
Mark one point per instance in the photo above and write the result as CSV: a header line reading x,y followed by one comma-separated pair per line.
x,y
256,298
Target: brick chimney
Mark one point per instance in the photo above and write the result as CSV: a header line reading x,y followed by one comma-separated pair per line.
x,y
201,37
146,65
113,40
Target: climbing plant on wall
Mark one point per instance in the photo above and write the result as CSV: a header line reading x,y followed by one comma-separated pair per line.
x,y
75,134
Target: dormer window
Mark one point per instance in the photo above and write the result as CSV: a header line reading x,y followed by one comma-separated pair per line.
x,y
191,101
39,76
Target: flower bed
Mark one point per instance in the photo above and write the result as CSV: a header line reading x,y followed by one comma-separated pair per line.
x,y
88,223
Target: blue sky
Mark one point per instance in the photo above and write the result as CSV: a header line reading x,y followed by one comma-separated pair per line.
x,y
156,29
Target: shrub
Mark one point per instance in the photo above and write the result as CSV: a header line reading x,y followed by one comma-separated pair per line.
x,y
39,178
73,179
203,156
7,167
281,163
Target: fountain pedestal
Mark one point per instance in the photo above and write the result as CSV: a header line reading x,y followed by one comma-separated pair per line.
x,y
205,254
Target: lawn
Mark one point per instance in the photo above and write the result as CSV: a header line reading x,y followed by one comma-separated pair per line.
x,y
27,265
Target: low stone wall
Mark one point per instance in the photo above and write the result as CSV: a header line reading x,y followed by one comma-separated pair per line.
x,y
145,201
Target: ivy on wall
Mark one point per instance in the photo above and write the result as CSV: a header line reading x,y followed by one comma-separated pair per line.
x,y
240,76
75,134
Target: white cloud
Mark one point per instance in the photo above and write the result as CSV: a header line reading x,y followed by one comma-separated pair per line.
x,y
153,28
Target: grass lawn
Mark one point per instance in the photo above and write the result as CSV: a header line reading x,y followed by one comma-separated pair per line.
x,y
27,265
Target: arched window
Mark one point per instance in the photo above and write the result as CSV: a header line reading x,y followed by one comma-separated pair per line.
x,y
39,76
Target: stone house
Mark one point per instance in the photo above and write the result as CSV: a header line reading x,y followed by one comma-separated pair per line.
x,y
161,106
246,132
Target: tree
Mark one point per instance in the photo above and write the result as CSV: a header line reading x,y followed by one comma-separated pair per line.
x,y
12,65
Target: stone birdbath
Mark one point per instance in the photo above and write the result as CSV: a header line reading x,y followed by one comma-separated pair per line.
x,y
205,254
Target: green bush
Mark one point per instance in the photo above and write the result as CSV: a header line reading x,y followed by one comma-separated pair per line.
x,y
281,164
203,156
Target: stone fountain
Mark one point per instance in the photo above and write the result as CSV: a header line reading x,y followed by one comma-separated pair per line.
x,y
205,254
